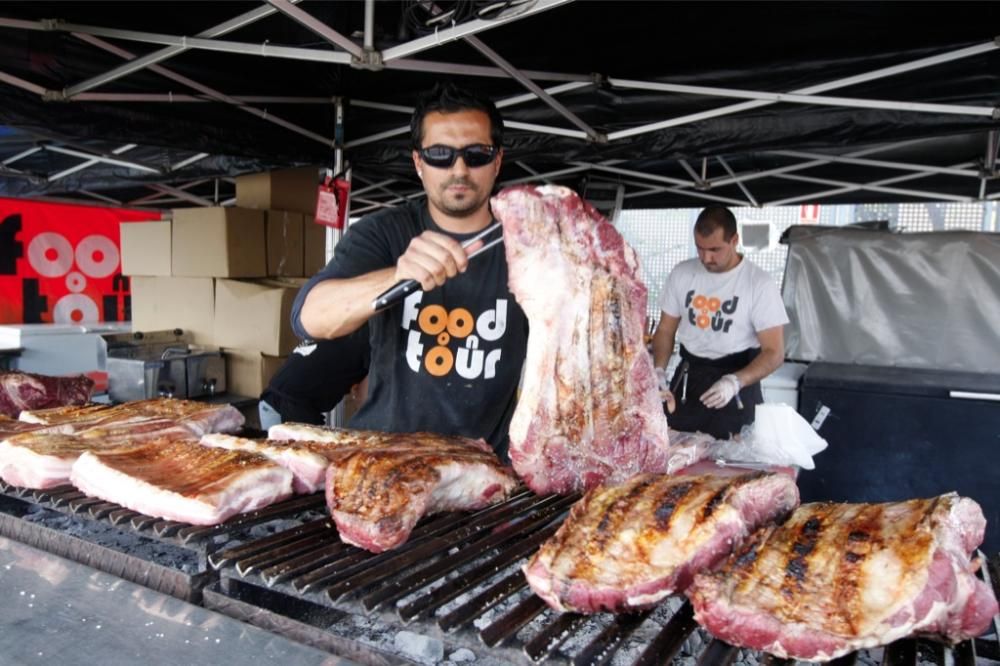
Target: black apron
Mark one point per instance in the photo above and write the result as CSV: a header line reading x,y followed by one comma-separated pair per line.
x,y
695,375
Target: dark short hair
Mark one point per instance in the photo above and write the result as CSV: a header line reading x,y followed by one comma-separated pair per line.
x,y
715,217
449,98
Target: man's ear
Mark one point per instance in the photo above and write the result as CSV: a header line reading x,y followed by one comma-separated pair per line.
x,y
416,163
498,161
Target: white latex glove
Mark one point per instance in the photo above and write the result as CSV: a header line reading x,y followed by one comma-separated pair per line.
x,y
721,392
662,383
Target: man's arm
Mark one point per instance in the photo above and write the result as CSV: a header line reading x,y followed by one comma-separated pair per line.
x,y
771,356
336,307
663,339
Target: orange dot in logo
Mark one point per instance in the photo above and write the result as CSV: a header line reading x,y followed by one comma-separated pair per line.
x,y
433,319
699,302
460,322
714,304
443,338
439,361
703,321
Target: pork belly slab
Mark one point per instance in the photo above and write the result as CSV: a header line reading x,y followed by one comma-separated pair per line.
x,y
589,409
182,480
626,547
198,417
306,460
41,456
836,578
378,485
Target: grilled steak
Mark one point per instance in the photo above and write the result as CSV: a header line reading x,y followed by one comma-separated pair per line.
x,y
836,578
41,456
24,390
627,546
306,460
182,480
379,485
198,417
589,410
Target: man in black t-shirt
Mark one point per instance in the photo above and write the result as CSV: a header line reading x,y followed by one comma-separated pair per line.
x,y
448,359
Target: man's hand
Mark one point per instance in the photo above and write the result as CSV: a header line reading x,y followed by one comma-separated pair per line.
x,y
662,384
431,259
721,392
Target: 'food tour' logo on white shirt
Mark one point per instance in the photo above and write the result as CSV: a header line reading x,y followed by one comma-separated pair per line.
x,y
706,311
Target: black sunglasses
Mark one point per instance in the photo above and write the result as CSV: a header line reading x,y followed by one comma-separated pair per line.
x,y
442,157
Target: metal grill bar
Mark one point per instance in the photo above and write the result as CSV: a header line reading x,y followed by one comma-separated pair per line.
x,y
846,660
555,634
511,623
311,558
482,602
397,589
668,642
230,555
101,510
294,505
771,660
963,654
328,540
901,653
717,654
602,648
121,515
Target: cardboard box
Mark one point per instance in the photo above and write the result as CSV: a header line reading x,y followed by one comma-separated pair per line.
x,y
256,315
314,247
145,248
289,189
285,252
166,303
249,372
219,242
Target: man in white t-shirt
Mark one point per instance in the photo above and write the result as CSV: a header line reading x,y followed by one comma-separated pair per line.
x,y
728,316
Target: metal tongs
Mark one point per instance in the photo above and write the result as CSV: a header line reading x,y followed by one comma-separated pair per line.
x,y
403,288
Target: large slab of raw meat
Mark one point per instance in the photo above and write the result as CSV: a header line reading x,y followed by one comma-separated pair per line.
x,y
24,390
378,485
307,460
626,547
198,417
182,480
589,409
836,578
42,456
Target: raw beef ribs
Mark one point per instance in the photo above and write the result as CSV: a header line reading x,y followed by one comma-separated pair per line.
x,y
589,409
626,547
836,578
23,390
379,485
182,480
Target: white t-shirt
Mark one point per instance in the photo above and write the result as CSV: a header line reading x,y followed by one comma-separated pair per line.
x,y
721,312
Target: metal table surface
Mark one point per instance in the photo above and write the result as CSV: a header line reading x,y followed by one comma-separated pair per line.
x,y
58,611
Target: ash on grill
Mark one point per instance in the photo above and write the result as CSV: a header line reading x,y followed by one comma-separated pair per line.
x,y
456,588
167,556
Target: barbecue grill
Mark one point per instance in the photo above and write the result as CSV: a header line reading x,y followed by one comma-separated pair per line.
x,y
455,584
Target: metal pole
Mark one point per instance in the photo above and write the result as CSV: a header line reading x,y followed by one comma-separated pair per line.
x,y
337,418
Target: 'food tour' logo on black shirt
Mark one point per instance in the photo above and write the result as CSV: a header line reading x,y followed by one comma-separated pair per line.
x,y
434,331
705,311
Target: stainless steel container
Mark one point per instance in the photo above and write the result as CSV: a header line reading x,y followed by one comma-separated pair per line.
x,y
162,364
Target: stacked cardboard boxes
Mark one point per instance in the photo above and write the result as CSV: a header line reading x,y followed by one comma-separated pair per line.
x,y
228,276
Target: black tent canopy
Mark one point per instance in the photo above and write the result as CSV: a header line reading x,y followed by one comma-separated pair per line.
x,y
638,104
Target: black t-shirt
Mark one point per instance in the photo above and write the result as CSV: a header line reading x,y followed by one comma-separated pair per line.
x,y
446,361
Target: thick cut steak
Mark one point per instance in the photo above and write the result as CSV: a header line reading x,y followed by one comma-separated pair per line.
x,y
182,480
24,390
589,410
378,485
628,546
43,458
836,578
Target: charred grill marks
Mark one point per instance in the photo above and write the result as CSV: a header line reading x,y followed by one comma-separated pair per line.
x,y
797,567
665,506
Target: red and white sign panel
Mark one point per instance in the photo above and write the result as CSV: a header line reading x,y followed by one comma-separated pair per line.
x,y
809,214
61,263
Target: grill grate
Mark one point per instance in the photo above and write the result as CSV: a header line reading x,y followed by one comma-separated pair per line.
x,y
457,579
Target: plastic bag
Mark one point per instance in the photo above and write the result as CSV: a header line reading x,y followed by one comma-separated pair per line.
x,y
778,436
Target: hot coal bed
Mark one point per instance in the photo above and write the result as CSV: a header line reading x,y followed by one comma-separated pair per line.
x,y
453,593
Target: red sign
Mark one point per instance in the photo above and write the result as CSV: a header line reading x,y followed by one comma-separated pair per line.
x,y
61,263
332,202
809,214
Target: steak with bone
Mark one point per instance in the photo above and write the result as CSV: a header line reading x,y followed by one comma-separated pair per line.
x,y
626,547
182,480
378,485
589,409
835,578
25,390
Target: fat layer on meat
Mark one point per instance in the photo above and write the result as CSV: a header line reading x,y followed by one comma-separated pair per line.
x,y
835,578
627,546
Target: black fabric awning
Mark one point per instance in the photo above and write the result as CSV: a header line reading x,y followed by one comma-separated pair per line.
x,y
861,147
